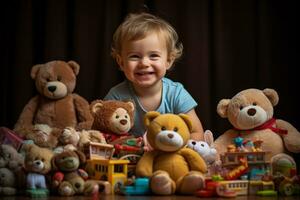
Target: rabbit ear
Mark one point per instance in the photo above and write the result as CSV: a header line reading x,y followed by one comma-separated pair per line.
x,y
208,137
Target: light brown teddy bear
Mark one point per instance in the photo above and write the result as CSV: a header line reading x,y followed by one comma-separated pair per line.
x,y
56,106
69,179
171,166
112,118
251,114
37,166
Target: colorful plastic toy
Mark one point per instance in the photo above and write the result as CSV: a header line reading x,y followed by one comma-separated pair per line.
x,y
140,186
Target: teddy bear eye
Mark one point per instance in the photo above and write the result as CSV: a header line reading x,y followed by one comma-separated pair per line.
x,y
43,159
163,128
59,78
254,104
175,129
241,107
117,116
126,116
48,80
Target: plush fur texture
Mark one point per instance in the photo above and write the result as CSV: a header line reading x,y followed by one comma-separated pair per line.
x,y
69,179
12,176
7,182
112,116
37,165
250,109
71,139
170,166
55,106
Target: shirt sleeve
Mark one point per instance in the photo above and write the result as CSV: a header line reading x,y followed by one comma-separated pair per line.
x,y
184,101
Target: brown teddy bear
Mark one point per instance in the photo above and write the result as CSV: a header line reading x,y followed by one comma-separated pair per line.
x,y
251,114
171,166
56,106
37,166
112,118
69,179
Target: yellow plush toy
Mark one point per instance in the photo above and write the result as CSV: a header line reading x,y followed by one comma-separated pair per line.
x,y
171,166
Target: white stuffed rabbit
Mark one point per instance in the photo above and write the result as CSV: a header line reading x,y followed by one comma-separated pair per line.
x,y
204,148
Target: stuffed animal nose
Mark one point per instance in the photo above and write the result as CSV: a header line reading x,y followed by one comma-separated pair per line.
x,y
123,121
251,111
52,88
170,135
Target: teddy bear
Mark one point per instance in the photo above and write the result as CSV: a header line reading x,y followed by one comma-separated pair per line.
x,y
250,112
204,148
71,139
10,158
37,165
114,119
7,182
69,179
171,166
55,106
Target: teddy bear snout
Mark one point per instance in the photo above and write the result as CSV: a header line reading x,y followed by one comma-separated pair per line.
x,y
52,88
123,121
251,111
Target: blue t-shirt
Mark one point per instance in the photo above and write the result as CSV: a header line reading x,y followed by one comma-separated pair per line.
x,y
175,99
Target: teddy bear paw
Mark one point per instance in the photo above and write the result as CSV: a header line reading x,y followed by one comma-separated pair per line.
x,y
162,184
192,182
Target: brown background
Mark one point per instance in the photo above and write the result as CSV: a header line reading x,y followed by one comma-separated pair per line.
x,y
228,46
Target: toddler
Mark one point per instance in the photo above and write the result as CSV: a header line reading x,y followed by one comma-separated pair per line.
x,y
145,48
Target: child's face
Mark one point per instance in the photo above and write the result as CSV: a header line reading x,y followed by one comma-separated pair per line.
x,y
145,61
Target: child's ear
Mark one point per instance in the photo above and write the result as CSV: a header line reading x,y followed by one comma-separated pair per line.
x,y
120,61
170,62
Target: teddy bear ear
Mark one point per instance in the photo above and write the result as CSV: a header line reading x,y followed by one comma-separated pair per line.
x,y
208,137
150,116
187,120
222,107
34,70
272,96
96,105
53,163
131,105
27,147
75,66
81,156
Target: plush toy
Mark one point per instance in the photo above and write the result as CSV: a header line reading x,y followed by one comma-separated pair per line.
x,y
71,139
208,153
251,114
112,118
56,106
171,166
37,166
7,182
10,158
69,179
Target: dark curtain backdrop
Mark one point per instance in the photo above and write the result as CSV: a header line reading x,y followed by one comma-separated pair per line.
x,y
228,46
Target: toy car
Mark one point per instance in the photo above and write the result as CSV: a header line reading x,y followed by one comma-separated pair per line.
x,y
140,186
